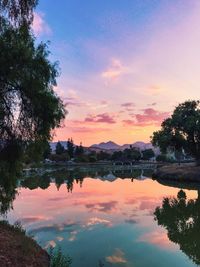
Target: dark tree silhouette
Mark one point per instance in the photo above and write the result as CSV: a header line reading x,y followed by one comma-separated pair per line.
x,y
147,154
181,130
29,107
70,148
59,148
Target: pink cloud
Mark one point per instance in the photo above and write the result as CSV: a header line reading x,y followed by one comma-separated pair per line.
x,y
89,130
71,98
148,205
159,239
106,207
40,26
128,104
100,118
71,101
149,117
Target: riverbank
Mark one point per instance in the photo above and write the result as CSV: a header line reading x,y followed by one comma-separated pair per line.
x,y
18,250
185,172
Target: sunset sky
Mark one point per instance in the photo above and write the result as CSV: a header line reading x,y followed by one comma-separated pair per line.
x,y
125,64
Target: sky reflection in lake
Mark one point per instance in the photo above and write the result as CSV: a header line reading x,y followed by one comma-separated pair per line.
x,y
101,220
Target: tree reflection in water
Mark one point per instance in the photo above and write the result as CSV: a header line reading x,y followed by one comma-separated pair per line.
x,y
9,181
8,187
181,218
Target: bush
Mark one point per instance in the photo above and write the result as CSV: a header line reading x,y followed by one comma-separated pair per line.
x,y
58,259
82,158
92,158
57,158
161,158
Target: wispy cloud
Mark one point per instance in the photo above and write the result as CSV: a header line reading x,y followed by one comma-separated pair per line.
x,y
152,104
88,129
128,105
40,26
95,221
115,70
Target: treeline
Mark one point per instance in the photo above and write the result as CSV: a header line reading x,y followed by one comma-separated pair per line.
x,y
81,154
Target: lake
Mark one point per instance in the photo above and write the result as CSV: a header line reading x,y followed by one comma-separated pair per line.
x,y
109,218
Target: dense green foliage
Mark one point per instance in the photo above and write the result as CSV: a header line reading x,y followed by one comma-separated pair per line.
x,y
161,158
181,130
46,150
127,154
148,154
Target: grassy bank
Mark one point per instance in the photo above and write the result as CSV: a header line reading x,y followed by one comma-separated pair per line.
x,y
18,250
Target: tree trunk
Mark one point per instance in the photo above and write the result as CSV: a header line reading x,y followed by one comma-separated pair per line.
x,y
198,195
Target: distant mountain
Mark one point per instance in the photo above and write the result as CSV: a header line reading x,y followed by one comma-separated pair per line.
x,y
139,145
108,145
113,146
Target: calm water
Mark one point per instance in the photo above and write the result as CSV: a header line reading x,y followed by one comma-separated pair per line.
x,y
100,217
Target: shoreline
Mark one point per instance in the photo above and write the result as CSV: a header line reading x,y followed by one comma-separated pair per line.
x,y
185,172
44,168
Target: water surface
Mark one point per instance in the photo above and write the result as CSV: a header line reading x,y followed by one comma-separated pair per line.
x,y
104,219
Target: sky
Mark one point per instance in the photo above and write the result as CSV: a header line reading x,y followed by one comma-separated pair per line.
x,y
124,64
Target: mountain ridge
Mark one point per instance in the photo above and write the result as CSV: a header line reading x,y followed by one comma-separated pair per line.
x,y
111,146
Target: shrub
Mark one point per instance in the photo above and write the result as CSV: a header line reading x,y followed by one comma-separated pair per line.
x,y
58,259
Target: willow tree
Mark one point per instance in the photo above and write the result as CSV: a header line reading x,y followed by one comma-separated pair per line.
x,y
29,108
18,12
